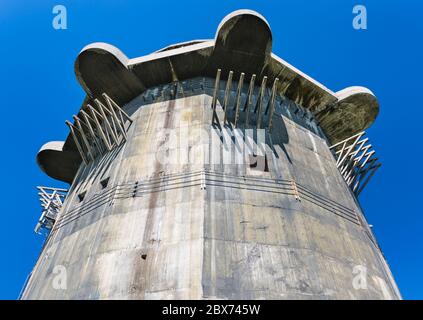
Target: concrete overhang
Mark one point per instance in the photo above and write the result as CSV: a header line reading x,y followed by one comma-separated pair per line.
x,y
243,43
57,163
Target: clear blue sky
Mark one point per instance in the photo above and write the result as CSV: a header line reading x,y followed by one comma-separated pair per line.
x,y
39,91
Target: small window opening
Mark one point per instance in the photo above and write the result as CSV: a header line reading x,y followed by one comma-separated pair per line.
x,y
81,196
258,163
104,182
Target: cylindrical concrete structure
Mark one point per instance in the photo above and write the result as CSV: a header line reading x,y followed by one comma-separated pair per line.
x,y
191,207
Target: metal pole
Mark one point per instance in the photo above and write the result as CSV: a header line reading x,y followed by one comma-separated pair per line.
x,y
103,108
99,128
350,176
75,139
353,154
249,100
84,137
113,114
260,102
227,95
108,126
349,149
216,89
272,103
238,97
91,130
112,104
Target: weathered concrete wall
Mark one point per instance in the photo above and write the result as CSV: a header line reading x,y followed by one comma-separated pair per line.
x,y
195,229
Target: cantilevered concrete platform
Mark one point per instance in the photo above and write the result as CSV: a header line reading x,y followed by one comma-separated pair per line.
x,y
243,43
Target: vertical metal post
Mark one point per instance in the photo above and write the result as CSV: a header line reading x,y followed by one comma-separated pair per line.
x,y
75,139
216,89
348,163
99,128
272,103
350,175
112,104
260,102
84,137
108,126
227,95
349,150
111,120
238,97
117,120
341,152
88,120
249,100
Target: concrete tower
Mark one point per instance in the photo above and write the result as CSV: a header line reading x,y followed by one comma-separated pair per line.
x,y
209,169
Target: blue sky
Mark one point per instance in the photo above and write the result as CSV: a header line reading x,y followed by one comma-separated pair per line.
x,y
39,91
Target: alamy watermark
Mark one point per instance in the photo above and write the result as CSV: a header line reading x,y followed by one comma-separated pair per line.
x,y
360,19
204,146
60,278
60,20
360,280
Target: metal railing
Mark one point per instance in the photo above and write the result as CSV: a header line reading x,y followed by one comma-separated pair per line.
x,y
51,200
99,129
355,159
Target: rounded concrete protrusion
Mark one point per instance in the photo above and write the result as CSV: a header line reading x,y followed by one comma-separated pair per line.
x,y
244,31
56,163
101,67
243,41
355,110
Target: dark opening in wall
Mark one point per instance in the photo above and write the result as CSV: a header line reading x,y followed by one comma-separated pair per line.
x,y
104,182
258,163
81,196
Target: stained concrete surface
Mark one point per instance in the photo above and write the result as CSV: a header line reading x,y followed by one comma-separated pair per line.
x,y
199,230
